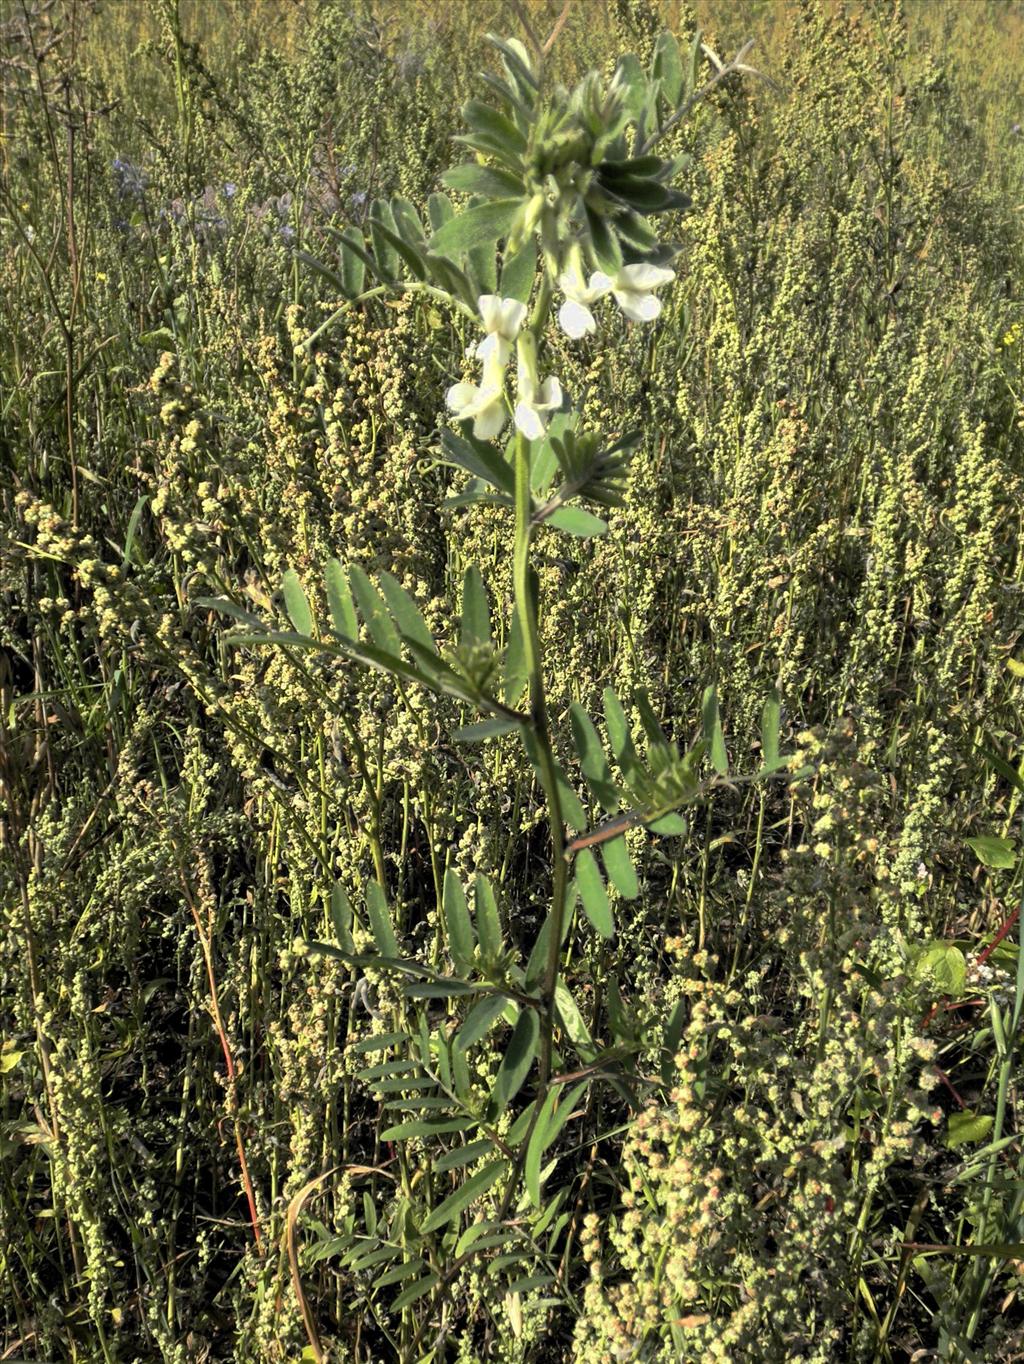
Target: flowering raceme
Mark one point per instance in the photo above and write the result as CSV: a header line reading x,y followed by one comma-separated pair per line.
x,y
574,316
483,403
503,318
633,289
534,400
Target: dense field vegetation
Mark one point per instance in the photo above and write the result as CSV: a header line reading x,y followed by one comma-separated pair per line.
x,y
782,1100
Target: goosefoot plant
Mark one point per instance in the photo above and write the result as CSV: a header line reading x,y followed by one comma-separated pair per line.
x,y
557,231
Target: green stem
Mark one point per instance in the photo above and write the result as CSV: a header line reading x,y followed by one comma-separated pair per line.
x,y
526,608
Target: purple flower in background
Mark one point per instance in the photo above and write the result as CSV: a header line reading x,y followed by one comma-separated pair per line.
x,y
230,190
130,179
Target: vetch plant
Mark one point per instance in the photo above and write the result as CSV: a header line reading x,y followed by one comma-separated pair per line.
x,y
562,183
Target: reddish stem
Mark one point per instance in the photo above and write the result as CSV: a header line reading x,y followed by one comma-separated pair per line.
x,y
1008,923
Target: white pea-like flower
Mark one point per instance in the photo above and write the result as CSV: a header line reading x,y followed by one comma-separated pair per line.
x,y
483,403
633,290
503,318
574,316
534,400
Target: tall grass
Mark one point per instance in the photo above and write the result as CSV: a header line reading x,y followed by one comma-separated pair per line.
x,y
828,502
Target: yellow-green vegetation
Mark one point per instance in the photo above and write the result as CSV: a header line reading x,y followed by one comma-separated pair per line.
x,y
314,1044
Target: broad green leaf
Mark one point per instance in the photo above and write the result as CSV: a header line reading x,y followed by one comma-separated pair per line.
x,y
476,617
476,494
419,1288
516,60
572,1020
993,851
669,826
479,459
604,244
518,273
228,608
320,268
515,662
547,1217
453,280
449,987
380,920
354,258
770,729
359,1259
295,603
538,1145
966,1127
380,1042
339,598
631,167
566,1109
619,868
480,1020
341,916
630,75
943,965
619,736
507,94
463,1196
399,1274
388,1070
713,731
383,249
593,762
488,921
544,461
485,729
483,265
375,613
461,1080
461,938
530,1283
487,122
577,521
656,736
518,1059
476,1231
410,1084
413,256
407,220
479,226
368,655
472,177
462,1155
668,67
405,612
593,893
439,211
426,1127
